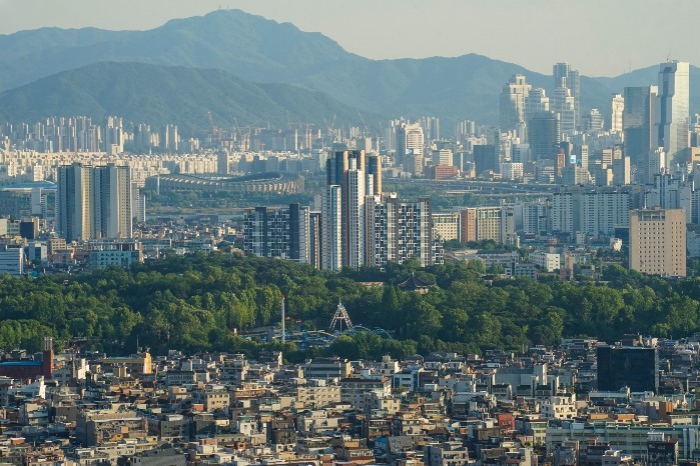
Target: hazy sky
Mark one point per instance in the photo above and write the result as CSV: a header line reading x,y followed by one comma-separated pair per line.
x,y
598,37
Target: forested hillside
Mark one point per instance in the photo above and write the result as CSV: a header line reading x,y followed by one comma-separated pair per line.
x,y
195,303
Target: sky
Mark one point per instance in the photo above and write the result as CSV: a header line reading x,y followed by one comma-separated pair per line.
x,y
597,37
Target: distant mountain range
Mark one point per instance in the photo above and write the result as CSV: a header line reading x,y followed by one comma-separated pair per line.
x,y
164,94
264,51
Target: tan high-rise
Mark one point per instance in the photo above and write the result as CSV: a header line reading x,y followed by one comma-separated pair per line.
x,y
657,242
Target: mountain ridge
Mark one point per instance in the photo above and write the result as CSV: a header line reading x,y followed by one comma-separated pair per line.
x,y
264,51
158,94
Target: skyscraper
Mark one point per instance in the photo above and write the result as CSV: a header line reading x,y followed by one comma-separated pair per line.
x,y
536,101
94,202
638,122
513,97
573,83
671,130
617,107
564,103
544,133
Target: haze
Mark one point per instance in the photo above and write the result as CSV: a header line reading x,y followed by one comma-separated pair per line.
x,y
598,37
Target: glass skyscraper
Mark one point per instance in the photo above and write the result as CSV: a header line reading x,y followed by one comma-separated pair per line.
x,y
672,111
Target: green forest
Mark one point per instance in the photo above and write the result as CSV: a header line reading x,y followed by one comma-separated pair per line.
x,y
204,303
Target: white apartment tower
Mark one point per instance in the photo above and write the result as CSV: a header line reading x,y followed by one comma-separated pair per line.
x,y
332,228
356,193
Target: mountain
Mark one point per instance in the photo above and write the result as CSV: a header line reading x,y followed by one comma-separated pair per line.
x,y
262,50
159,94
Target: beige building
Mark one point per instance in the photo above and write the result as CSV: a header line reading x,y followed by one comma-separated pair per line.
x,y
447,226
657,242
495,223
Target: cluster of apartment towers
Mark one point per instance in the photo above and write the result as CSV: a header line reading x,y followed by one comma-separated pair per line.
x,y
96,202
357,224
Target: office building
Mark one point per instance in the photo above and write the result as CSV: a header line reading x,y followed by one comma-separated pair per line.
x,y
671,125
446,226
658,242
121,254
564,75
592,121
638,124
544,135
12,261
617,109
485,158
513,102
635,367
564,104
536,101
495,223
409,141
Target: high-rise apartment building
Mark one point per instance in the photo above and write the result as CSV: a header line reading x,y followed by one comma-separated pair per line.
x,y
401,230
74,202
94,202
657,242
358,175
513,97
671,125
282,233
332,228
112,215
638,124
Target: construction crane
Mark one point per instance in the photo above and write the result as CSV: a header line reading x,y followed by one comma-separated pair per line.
x,y
215,130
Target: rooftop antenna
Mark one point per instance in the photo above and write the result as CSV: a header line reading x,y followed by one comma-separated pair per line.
x,y
284,319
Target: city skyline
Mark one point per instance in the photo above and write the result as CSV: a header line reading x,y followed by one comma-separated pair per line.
x,y
438,27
